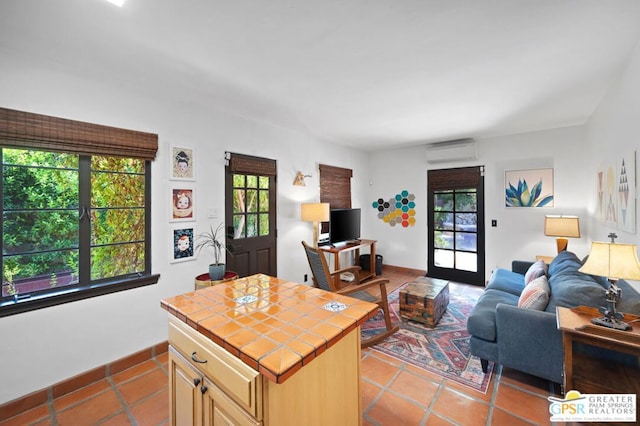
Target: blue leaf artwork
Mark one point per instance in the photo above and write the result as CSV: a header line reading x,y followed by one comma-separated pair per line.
x,y
520,195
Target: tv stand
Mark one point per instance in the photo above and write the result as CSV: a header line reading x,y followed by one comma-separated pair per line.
x,y
346,247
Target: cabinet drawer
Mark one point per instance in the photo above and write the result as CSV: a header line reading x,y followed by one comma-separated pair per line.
x,y
239,381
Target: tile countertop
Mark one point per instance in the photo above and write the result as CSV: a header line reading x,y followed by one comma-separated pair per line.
x,y
273,325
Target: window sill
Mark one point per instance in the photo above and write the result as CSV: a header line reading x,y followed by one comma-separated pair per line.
x,y
12,307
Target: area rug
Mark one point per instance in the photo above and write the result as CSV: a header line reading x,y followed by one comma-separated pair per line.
x,y
443,350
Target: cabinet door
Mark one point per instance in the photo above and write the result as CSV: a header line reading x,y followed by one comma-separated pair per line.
x,y
185,391
220,410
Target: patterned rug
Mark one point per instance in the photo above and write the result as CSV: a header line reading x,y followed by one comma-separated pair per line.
x,y
443,350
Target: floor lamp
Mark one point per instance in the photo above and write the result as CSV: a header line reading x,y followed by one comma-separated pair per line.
x,y
316,213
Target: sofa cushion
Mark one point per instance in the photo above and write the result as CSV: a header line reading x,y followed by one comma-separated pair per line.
x,y
505,280
564,259
538,269
535,295
571,289
482,320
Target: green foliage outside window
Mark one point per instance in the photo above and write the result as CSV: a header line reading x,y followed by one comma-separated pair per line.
x,y
250,206
42,218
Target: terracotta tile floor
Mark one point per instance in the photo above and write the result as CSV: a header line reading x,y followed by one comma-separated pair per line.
x,y
393,393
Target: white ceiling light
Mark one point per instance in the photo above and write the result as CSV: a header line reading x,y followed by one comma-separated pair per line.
x,y
118,3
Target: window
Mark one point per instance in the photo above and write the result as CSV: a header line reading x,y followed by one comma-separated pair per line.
x,y
335,189
75,218
250,206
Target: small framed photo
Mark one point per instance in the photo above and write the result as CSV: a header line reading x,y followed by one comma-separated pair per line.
x,y
182,243
182,163
182,204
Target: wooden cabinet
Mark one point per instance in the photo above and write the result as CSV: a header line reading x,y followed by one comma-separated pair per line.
x,y
592,375
186,398
196,400
209,386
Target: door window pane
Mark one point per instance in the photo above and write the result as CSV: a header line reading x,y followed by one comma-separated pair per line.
x,y
252,225
264,201
443,258
466,201
443,239
466,222
443,201
238,201
264,224
252,201
443,221
466,241
467,261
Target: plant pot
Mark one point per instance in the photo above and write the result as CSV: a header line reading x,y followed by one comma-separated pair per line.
x,y
216,271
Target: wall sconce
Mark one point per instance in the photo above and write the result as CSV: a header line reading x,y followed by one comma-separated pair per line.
x,y
299,180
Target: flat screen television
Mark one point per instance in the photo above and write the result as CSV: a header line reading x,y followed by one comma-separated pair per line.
x,y
344,225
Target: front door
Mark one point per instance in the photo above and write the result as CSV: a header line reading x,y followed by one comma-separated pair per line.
x,y
456,230
250,215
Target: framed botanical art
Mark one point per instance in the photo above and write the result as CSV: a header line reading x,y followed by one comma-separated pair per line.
x,y
529,188
182,163
181,244
182,203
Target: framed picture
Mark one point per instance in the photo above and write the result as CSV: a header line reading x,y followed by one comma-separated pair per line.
x,y
182,204
626,191
182,163
529,188
182,244
616,192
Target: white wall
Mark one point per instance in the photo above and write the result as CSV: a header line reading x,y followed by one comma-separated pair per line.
x,y
45,346
614,130
519,234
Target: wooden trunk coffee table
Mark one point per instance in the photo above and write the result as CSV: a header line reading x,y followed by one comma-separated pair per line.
x,y
424,300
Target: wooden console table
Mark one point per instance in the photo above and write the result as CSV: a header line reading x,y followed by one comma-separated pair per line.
x,y
336,251
588,375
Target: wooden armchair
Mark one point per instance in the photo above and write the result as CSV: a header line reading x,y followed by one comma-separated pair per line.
x,y
324,279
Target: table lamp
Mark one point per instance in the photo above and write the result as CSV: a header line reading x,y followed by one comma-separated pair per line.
x,y
316,213
562,227
613,261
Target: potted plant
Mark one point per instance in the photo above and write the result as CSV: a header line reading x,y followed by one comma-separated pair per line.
x,y
213,239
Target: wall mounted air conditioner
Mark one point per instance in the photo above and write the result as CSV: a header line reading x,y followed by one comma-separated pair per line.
x,y
457,150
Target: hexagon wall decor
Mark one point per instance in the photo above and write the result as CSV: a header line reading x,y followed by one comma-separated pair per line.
x,y
399,210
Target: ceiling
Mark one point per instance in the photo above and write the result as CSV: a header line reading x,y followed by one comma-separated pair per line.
x,y
371,74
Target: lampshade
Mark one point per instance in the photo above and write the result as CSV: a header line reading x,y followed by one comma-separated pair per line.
x,y
613,261
315,212
562,226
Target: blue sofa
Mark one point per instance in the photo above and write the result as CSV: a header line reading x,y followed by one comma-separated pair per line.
x,y
527,339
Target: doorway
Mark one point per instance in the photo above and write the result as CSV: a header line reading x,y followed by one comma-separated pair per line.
x,y
250,215
456,224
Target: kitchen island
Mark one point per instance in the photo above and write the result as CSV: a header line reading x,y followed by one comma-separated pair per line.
x,y
265,351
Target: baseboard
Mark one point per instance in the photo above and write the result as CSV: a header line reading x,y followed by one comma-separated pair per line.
x,y
403,270
39,397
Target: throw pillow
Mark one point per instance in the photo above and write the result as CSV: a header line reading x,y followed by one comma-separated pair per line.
x,y
535,295
536,270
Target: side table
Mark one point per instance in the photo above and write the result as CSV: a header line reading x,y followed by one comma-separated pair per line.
x,y
545,259
589,375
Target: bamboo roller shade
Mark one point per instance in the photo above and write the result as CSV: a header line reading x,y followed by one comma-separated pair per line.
x,y
19,129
